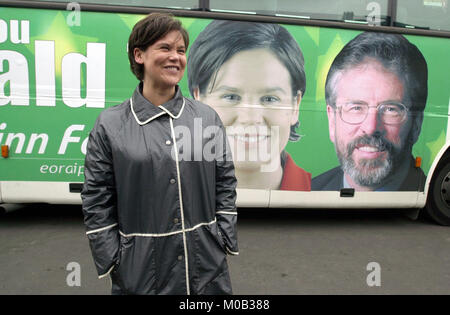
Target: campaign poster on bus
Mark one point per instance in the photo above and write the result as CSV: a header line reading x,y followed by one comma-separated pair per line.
x,y
305,107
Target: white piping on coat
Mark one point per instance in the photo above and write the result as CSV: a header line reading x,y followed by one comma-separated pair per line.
x,y
181,205
106,274
170,114
231,252
227,212
157,115
167,234
148,120
102,229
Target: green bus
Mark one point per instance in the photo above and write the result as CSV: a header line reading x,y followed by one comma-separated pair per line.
x,y
340,104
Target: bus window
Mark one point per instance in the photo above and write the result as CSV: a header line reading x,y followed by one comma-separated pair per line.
x,y
427,14
172,4
355,11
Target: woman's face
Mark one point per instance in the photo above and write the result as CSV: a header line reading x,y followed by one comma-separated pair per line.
x,y
253,96
164,61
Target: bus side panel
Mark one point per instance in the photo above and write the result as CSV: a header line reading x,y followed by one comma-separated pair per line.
x,y
333,200
57,77
38,192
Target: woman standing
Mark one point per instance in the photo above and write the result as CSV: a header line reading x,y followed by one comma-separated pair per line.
x,y
156,223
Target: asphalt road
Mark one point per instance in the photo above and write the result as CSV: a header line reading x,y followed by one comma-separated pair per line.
x,y
281,252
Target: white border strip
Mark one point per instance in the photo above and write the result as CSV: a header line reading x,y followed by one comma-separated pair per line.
x,y
448,122
102,229
58,193
148,120
294,16
167,234
256,106
233,11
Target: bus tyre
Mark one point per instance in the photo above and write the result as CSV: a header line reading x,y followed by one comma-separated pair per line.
x,y
438,202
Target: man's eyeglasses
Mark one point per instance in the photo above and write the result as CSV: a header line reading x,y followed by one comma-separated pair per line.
x,y
389,113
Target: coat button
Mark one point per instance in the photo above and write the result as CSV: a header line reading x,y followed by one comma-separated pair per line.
x,y
168,142
175,220
180,257
172,181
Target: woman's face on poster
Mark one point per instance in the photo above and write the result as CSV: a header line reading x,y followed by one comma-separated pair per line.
x,y
252,93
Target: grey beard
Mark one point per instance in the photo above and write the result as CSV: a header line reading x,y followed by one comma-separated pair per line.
x,y
370,172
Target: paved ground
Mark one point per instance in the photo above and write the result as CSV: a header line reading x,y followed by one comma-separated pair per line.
x,y
281,252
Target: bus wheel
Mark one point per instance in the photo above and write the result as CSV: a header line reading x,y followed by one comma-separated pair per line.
x,y
438,203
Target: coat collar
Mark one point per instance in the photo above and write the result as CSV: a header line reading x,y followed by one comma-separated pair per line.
x,y
144,111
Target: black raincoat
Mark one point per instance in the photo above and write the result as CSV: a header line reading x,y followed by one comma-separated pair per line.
x,y
159,197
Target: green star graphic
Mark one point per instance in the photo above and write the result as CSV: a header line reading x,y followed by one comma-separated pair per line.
x,y
324,64
65,40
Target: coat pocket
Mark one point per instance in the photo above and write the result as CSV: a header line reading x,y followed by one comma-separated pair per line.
x,y
217,235
221,285
118,275
136,271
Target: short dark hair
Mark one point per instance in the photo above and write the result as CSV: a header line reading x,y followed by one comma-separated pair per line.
x,y
149,30
221,40
395,53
